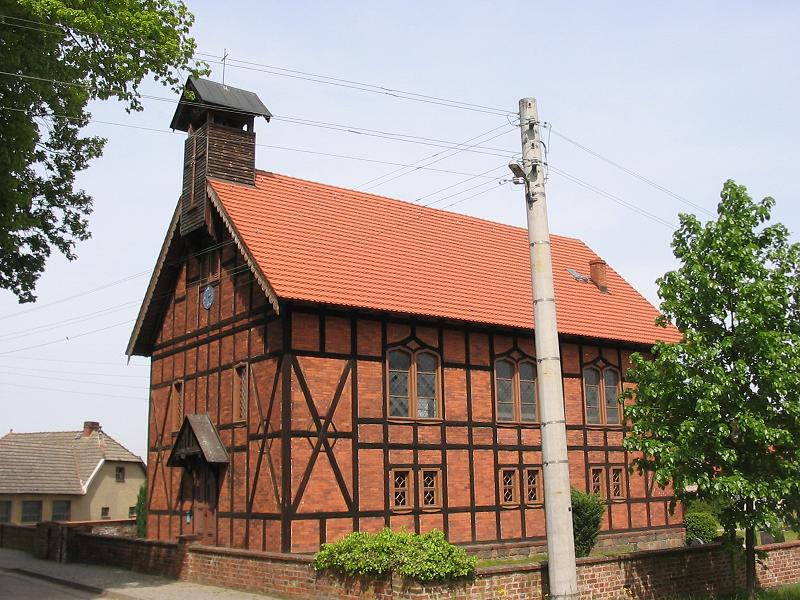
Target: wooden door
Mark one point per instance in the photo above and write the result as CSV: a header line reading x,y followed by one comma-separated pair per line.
x,y
205,504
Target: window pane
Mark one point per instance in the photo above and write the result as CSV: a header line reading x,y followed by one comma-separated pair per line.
x,y
398,383
505,390
400,488
426,385
32,511
533,485
505,411
596,483
426,408
399,360
611,383
61,510
527,391
504,369
398,406
508,486
592,404
426,362
5,511
527,371
591,376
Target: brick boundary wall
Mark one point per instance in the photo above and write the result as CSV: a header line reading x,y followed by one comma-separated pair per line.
x,y
145,556
18,537
649,575
646,575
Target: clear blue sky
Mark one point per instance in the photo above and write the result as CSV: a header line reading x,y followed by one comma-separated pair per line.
x,y
687,94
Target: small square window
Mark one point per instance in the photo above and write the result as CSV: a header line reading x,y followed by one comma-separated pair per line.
x,y
617,482
104,513
61,510
430,488
5,511
31,511
508,487
597,481
120,474
400,481
131,512
533,486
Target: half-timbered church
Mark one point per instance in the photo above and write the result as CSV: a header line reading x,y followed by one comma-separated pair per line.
x,y
325,361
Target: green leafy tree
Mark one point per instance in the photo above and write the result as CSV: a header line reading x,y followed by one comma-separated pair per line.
x,y
718,414
587,512
55,57
141,511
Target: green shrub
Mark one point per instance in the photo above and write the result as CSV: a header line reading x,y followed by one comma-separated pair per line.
x,y
141,512
587,512
426,557
701,526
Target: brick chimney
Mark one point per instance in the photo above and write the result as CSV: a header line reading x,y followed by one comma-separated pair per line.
x,y
221,144
598,273
89,427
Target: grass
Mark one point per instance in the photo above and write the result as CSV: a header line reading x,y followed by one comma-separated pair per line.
x,y
510,562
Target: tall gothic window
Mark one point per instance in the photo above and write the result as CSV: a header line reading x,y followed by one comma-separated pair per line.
x,y
515,391
413,384
601,391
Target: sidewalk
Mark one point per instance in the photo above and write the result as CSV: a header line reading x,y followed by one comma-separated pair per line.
x,y
114,583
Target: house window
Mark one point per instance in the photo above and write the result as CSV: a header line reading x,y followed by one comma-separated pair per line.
x,y
104,512
131,512
413,384
429,489
211,265
120,474
617,483
533,486
508,487
5,511
31,511
242,382
61,510
597,481
602,390
515,391
400,480
176,400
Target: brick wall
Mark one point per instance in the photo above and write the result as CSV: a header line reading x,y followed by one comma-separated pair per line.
x,y
648,575
145,556
17,537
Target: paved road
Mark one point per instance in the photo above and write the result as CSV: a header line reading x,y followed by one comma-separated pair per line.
x,y
19,587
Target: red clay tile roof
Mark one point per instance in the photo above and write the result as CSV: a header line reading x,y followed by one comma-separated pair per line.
x,y
325,244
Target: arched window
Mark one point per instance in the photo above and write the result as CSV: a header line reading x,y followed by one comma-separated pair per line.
x,y
601,391
515,391
413,384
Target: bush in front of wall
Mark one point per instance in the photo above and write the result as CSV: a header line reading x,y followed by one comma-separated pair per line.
x,y
587,512
426,557
701,526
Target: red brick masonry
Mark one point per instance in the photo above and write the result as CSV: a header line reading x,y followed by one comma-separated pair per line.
x,y
653,574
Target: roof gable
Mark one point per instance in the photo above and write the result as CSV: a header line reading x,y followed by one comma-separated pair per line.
x,y
198,437
323,244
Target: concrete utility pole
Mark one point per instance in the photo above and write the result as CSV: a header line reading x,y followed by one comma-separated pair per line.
x,y
557,503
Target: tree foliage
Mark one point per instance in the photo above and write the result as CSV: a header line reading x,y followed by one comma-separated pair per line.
x,y
587,512
718,414
56,56
141,511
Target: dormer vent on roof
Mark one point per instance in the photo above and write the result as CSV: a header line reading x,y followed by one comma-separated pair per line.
x,y
221,143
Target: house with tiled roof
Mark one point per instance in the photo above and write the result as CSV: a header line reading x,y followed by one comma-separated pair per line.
x,y
81,475
325,360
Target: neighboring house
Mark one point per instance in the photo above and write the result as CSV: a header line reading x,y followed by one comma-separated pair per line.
x,y
67,476
326,360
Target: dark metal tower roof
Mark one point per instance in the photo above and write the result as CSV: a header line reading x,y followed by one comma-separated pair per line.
x,y
210,95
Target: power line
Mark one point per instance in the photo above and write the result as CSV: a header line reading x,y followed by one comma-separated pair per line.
x,y
631,172
613,198
504,182
30,370
56,324
485,174
114,384
459,193
68,338
73,361
447,154
48,389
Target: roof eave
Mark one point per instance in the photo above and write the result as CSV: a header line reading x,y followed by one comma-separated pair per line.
x,y
134,347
